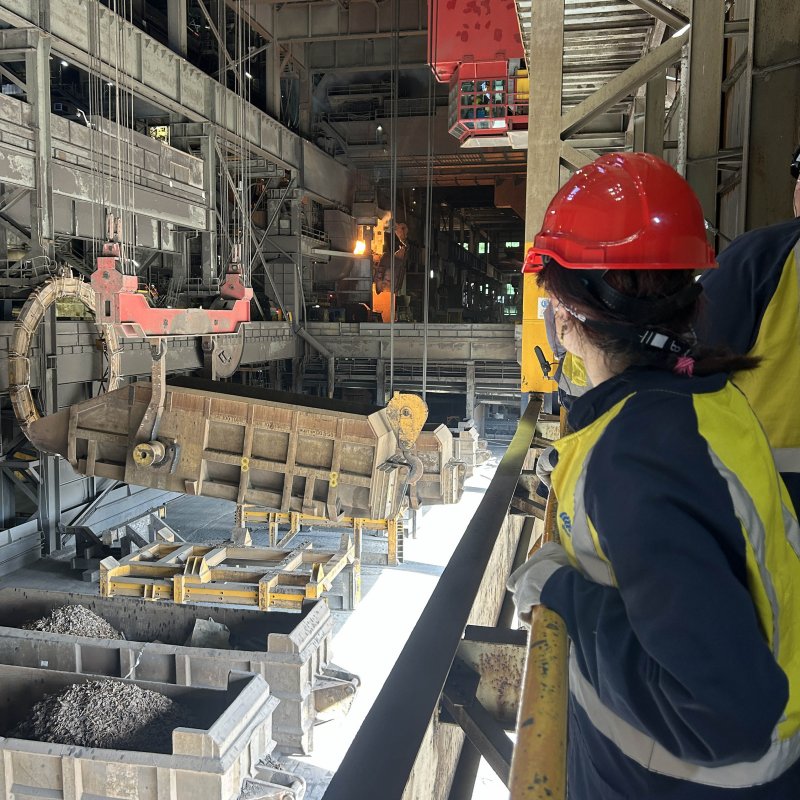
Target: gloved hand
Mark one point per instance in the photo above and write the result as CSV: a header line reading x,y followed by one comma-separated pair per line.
x,y
527,582
545,464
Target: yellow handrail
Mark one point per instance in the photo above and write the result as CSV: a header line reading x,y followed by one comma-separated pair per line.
x,y
539,763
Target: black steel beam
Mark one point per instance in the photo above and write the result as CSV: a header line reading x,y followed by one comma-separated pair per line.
x,y
381,757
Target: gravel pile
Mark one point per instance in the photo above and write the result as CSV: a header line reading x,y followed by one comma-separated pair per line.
x,y
74,621
108,714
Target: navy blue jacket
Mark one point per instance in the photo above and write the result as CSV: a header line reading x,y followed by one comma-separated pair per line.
x,y
752,306
624,638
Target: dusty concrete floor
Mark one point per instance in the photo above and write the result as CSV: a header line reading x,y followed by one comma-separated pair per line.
x,y
366,641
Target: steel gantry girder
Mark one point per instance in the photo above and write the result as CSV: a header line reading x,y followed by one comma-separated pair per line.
x,y
152,70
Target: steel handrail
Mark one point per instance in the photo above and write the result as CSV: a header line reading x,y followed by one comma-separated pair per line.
x,y
382,755
539,761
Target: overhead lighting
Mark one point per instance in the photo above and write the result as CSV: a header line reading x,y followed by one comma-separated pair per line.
x,y
379,129
64,63
360,248
431,274
109,83
248,75
682,30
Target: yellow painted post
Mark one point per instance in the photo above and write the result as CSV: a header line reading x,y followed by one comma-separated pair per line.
x,y
534,303
391,541
273,529
358,530
539,762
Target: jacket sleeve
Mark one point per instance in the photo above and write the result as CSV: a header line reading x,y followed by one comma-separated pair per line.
x,y
676,650
738,293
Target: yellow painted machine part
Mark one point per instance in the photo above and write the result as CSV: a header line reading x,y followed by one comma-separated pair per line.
x,y
534,302
539,762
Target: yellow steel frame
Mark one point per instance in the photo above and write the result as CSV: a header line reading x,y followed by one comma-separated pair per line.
x,y
274,519
264,577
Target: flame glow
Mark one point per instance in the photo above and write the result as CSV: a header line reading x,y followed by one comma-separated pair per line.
x,y
360,248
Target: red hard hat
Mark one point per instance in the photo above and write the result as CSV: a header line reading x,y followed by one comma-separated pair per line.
x,y
624,211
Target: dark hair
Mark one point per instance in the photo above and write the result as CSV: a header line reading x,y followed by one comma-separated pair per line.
x,y
617,332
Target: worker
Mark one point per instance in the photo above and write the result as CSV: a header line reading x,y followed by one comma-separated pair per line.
x,y
679,558
753,306
570,375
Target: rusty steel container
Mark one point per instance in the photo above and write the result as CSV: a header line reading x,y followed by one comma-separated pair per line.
x,y
442,481
271,449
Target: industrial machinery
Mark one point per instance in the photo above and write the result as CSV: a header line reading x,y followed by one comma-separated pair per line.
x,y
284,452
477,48
119,302
281,451
442,481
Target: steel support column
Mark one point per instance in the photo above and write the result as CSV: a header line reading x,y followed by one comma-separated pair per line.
x,y
380,380
178,27
703,110
8,502
546,60
635,136
544,139
208,240
470,410
773,128
37,79
654,104
50,474
273,72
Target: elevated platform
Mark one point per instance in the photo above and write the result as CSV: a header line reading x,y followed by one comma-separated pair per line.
x,y
463,342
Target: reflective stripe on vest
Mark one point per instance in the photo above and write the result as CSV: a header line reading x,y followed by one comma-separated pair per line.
x,y
645,751
787,459
582,544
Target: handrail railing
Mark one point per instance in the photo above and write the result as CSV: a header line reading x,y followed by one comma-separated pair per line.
x,y
382,755
539,762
